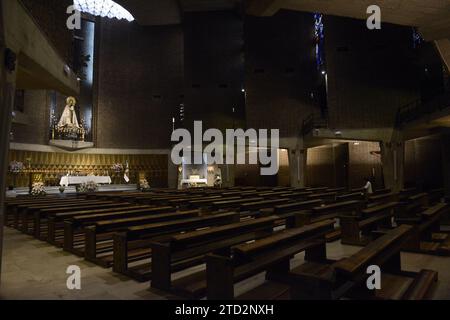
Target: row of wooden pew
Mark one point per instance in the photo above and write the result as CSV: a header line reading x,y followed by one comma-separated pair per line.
x,y
237,233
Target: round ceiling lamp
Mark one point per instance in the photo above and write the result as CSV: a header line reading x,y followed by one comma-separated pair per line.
x,y
103,8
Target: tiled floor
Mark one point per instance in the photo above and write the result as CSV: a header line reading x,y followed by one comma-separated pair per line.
x,y
35,270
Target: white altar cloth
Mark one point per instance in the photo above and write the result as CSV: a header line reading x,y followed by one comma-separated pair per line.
x,y
70,180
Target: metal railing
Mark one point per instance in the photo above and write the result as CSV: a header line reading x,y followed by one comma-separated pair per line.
x,y
418,108
312,122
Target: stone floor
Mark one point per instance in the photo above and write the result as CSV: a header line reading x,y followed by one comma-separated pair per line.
x,y
35,270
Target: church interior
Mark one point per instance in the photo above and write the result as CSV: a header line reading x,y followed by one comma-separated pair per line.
x,y
343,106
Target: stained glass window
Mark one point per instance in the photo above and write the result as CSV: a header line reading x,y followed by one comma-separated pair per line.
x,y
319,37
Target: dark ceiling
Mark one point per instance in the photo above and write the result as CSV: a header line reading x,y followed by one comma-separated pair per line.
x,y
167,12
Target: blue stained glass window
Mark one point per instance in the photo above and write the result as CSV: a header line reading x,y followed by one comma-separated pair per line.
x,y
319,37
417,38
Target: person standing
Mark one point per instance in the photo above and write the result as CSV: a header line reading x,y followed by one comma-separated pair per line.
x,y
368,186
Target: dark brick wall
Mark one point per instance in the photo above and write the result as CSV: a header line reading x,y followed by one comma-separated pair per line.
x,y
51,17
140,75
327,166
363,163
370,73
214,69
36,112
423,163
280,71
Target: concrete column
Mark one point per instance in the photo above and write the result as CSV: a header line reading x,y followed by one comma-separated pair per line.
x,y
297,167
445,143
393,159
297,163
7,93
443,47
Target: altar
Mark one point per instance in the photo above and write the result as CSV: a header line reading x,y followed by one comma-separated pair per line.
x,y
75,180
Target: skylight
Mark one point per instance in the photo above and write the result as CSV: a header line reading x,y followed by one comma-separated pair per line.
x,y
103,8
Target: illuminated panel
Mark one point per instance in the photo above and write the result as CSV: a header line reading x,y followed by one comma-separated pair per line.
x,y
103,8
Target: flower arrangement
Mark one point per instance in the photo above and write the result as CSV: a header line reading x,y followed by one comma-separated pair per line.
x,y
38,189
15,166
89,186
144,185
117,167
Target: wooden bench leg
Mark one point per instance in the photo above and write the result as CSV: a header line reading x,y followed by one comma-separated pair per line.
x,y
68,236
90,243
279,271
161,271
37,224
317,253
219,278
305,287
350,232
120,263
51,227
16,215
23,221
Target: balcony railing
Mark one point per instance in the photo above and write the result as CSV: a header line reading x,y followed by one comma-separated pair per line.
x,y
418,108
312,122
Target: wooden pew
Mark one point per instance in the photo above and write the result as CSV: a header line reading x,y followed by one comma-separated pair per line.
x,y
40,216
404,194
347,277
359,196
232,204
271,254
55,221
412,207
254,206
75,224
331,211
357,230
26,212
382,191
175,222
427,236
13,207
327,197
383,198
435,195
206,204
193,246
288,212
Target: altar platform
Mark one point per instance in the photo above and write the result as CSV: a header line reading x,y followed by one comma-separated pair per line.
x,y
71,189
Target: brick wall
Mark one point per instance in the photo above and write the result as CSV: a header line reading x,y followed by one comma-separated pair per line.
x,y
370,73
423,163
280,71
51,16
214,69
327,166
36,113
140,74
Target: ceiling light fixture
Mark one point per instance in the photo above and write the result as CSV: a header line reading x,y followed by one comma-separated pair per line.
x,y
103,8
